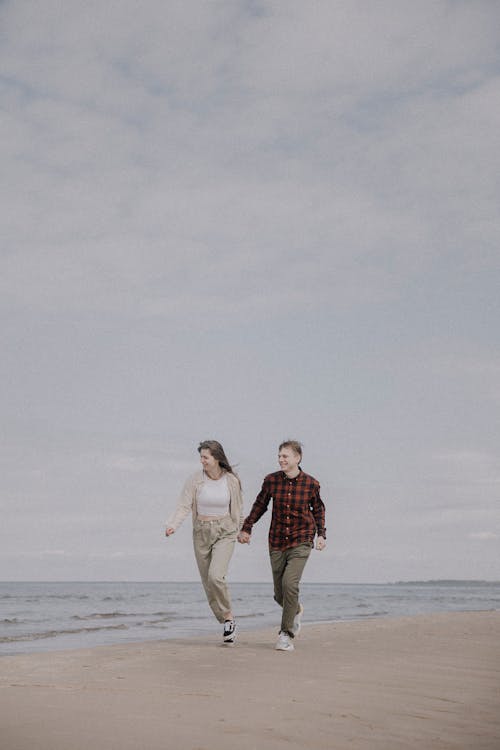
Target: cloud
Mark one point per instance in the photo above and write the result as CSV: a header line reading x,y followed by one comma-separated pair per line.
x,y
249,219
175,166
147,457
53,553
473,467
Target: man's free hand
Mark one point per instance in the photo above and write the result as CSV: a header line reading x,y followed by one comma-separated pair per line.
x,y
244,537
320,543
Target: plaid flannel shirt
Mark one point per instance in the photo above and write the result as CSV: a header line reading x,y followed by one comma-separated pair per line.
x,y
298,510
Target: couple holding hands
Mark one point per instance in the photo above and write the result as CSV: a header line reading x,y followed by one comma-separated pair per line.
x,y
214,497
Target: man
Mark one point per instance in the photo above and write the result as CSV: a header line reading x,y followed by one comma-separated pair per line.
x,y
298,515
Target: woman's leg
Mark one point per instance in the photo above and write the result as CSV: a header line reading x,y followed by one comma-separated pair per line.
x,y
213,548
220,598
203,554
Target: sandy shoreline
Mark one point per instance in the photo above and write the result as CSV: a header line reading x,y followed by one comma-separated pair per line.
x,y
431,681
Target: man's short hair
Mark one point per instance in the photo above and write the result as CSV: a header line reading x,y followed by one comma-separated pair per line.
x,y
293,444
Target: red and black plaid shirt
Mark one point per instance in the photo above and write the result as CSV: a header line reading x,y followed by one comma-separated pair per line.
x,y
298,510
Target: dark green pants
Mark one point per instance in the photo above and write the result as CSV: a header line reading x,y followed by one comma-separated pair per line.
x,y
287,566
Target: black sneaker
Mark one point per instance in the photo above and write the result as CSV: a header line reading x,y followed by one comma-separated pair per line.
x,y
229,633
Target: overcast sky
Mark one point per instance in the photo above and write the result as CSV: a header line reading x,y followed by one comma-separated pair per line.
x,y
250,220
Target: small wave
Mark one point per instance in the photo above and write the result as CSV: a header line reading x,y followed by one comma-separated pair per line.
x,y
157,622
382,613
36,599
12,621
110,615
79,597
250,616
56,633
102,615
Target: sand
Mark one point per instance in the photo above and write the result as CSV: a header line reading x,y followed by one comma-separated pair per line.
x,y
430,682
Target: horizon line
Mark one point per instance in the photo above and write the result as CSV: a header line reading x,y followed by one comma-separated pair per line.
x,y
314,583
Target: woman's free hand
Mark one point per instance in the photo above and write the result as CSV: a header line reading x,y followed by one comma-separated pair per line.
x,y
169,531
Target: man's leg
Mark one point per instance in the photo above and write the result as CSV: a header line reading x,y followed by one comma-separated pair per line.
x,y
295,564
278,564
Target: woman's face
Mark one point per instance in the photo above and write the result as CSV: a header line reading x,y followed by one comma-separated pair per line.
x,y
208,462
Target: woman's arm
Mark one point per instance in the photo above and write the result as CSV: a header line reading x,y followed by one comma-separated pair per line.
x,y
184,507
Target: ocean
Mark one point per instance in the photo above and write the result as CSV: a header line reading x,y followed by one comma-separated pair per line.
x,y
57,616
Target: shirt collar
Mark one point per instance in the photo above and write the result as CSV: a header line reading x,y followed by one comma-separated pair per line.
x,y
287,479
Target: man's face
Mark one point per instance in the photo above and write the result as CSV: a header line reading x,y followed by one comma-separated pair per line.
x,y
288,460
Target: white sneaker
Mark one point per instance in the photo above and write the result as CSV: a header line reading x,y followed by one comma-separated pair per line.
x,y
297,621
284,643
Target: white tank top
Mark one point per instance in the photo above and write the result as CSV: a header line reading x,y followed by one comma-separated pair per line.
x,y
213,497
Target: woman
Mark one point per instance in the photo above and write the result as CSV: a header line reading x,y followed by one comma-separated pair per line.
x,y
213,496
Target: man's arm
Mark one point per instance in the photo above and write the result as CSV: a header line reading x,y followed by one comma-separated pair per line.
x,y
258,509
318,511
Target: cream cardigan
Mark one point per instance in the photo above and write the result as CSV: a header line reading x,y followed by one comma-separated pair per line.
x,y
187,500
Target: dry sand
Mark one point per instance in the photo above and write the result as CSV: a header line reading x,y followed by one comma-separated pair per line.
x,y
427,682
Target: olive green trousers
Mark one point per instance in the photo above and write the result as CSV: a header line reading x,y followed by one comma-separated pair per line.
x,y
287,566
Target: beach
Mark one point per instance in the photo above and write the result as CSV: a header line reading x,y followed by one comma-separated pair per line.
x,y
429,681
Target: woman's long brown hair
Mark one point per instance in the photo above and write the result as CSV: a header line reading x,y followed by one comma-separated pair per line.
x,y
217,451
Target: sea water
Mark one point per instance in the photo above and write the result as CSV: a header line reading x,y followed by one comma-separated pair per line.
x,y
54,616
